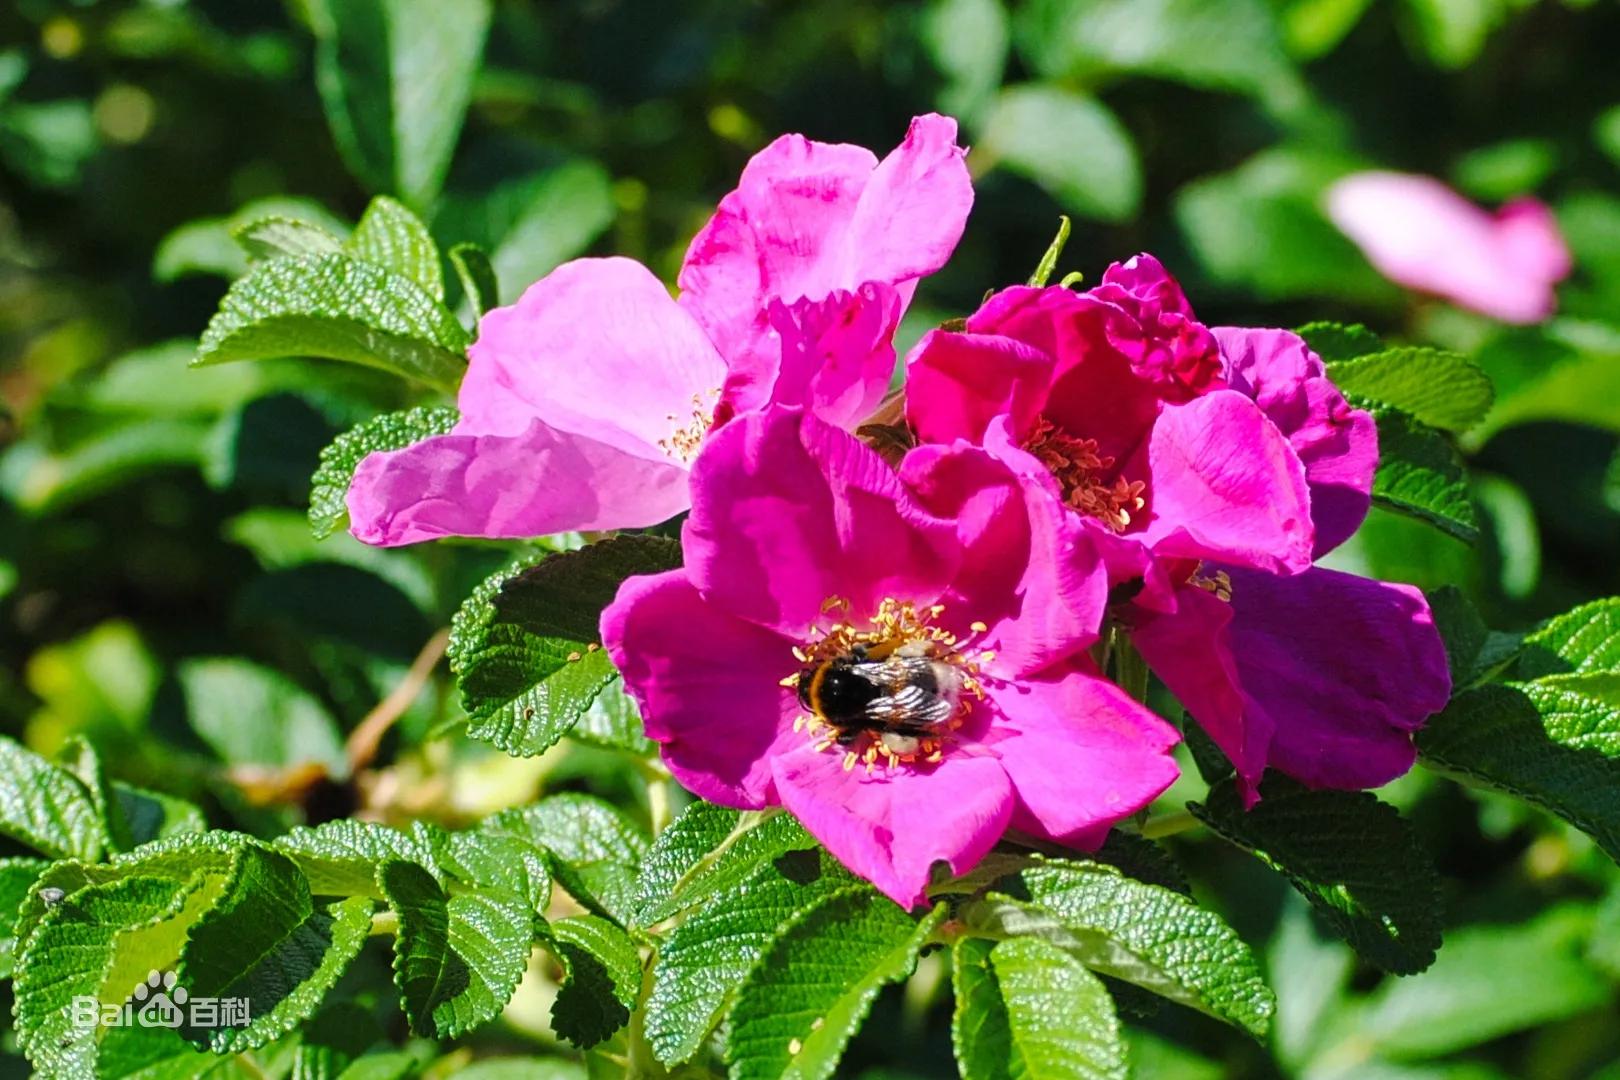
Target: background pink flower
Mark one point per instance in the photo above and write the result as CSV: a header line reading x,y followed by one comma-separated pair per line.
x,y
802,539
1420,233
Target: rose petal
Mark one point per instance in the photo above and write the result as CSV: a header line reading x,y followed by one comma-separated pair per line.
x,y
706,684
1337,444
956,383
536,482
1225,485
788,512
891,826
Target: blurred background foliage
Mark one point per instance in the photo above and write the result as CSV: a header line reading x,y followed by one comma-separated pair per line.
x,y
159,589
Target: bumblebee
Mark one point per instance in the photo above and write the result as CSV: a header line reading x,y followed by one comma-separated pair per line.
x,y
901,698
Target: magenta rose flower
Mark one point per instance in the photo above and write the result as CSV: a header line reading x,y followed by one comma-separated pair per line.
x,y
1423,235
1117,399
817,584
1320,675
585,402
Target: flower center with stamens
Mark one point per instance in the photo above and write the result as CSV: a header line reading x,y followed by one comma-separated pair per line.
x,y
1080,470
916,684
683,444
1217,583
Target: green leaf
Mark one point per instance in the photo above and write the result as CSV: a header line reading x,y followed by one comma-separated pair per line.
x,y
594,849
40,480
1460,1002
329,487
392,237
1552,742
1351,856
46,807
152,815
267,941
709,849
1054,250
524,646
491,862
283,237
340,858
705,958
1586,639
968,41
1071,145
1153,937
1434,387
806,995
395,77
17,876
1026,1008
1473,650
458,956
613,722
251,715
334,307
603,979
478,279
210,245
1420,474
1334,341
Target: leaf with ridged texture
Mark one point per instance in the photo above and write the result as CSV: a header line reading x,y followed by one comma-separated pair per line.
x,y
329,487
340,858
72,953
80,759
490,862
1143,934
1334,341
1028,1009
395,77
1354,858
1143,860
278,237
603,978
337,308
1562,759
46,807
613,722
1441,389
1586,639
17,876
709,849
705,958
1421,474
266,940
457,956
525,646
811,989
1473,650
393,238
152,815
477,275
1488,981
594,851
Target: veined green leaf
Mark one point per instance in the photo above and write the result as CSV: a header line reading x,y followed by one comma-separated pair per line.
x,y
340,858
603,978
17,877
812,987
1473,650
1586,639
392,237
1441,389
709,849
478,278
47,807
1334,341
335,307
1351,856
1420,474
593,849
281,237
614,722
329,487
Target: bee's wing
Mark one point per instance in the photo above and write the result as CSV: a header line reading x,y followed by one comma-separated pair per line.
x,y
893,674
910,710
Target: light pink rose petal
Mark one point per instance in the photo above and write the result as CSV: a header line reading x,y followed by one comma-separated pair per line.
x,y
532,483
789,512
891,826
1337,444
1421,234
597,348
1082,755
706,684
1225,485
913,210
956,383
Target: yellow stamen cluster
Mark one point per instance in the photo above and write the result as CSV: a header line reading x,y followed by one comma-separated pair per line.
x,y
897,623
1219,583
684,443
1078,466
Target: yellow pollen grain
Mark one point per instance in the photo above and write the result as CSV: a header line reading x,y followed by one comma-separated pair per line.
x,y
794,1046
790,681
978,627
849,760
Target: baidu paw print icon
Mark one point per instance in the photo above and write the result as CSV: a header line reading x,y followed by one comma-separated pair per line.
x,y
158,1000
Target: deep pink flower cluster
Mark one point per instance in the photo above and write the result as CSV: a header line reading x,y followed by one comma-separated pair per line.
x,y
903,654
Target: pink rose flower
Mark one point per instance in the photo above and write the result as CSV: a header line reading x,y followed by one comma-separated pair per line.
x,y
585,402
1117,400
1423,235
806,556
